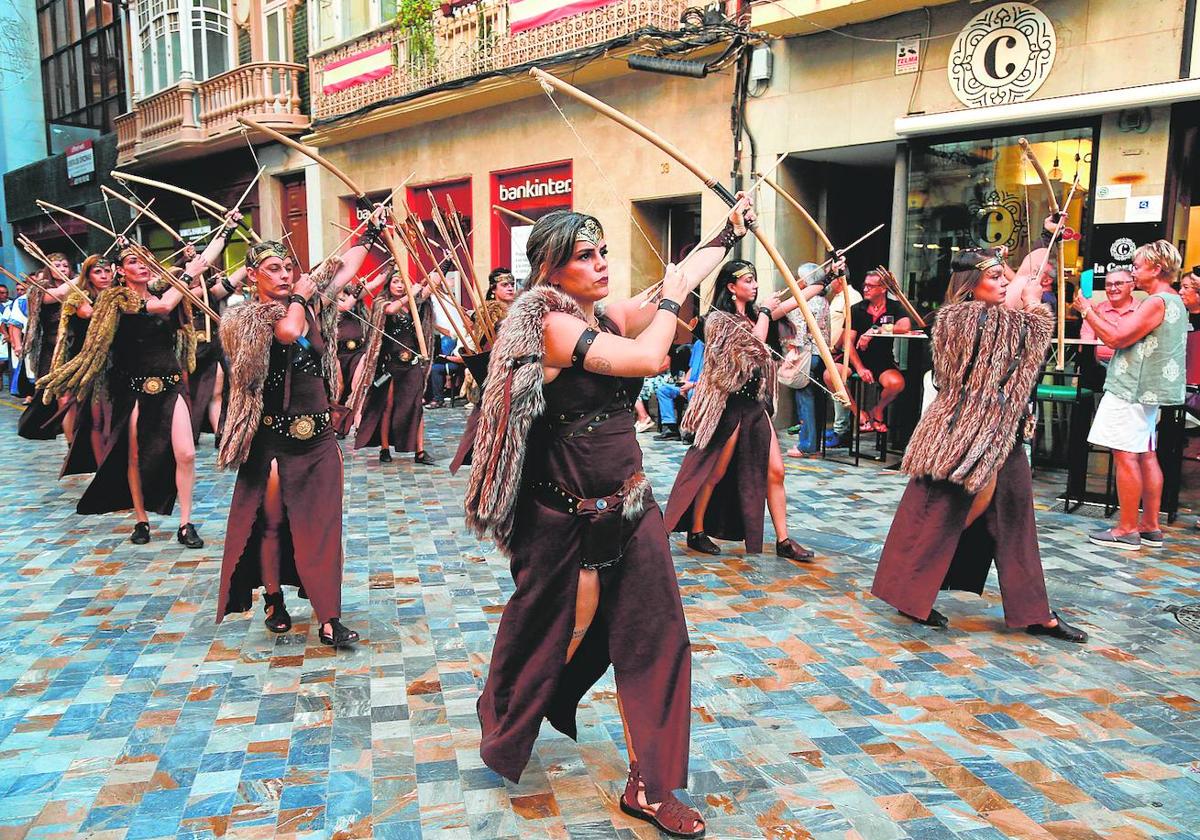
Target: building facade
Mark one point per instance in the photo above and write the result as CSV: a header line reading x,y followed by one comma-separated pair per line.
x,y
449,110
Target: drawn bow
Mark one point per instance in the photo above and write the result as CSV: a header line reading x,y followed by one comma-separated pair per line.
x,y
551,82
361,195
163,185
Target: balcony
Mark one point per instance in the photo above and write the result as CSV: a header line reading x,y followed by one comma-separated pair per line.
x,y
382,68
174,122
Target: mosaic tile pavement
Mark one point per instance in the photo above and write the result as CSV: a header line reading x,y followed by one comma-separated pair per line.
x,y
126,713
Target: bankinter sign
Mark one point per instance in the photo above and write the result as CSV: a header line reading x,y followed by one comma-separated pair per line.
x,y
534,188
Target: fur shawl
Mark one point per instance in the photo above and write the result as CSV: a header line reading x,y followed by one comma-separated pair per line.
x,y
512,400
732,354
366,372
247,332
87,373
985,361
246,335
70,307
34,332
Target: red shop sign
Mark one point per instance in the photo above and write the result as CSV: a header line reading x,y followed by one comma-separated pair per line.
x,y
532,191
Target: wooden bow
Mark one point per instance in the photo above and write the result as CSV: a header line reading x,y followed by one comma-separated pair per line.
x,y
162,185
549,82
1052,201
361,195
829,249
174,234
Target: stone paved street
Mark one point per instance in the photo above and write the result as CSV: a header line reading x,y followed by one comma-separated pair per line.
x,y
125,712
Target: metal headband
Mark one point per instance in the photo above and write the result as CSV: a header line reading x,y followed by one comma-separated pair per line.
x,y
989,263
263,250
590,231
744,270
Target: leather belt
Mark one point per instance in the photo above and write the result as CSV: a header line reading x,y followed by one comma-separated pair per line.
x,y
603,542
297,426
155,384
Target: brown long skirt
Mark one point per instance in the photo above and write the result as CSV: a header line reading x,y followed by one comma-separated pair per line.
x,y
466,446
310,540
82,456
408,410
40,421
927,548
639,629
738,506
109,489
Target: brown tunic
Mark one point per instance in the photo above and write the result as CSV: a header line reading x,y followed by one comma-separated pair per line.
x,y
310,482
639,626
40,421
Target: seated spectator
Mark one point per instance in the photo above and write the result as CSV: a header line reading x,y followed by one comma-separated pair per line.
x,y
802,349
1118,305
668,391
446,371
871,355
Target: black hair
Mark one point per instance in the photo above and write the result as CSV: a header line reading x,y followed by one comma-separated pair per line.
x,y
552,242
722,298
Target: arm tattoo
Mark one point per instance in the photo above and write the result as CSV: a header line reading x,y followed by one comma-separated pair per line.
x,y
599,364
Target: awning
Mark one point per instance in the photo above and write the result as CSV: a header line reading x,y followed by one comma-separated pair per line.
x,y
1051,108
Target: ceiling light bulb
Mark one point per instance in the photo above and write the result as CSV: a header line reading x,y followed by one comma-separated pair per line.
x,y
1055,173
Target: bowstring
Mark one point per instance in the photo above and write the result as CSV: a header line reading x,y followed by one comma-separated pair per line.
x,y
587,150
50,216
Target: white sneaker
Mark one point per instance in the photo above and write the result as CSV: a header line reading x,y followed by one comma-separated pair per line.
x,y
643,425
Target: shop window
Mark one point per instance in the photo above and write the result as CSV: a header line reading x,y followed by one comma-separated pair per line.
x,y
982,194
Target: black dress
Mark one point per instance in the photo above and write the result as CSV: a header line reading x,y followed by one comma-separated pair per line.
x,y
401,369
145,374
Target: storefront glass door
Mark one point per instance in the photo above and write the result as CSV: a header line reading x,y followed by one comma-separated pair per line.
x,y
983,194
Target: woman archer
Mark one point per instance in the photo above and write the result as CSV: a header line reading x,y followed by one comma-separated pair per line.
x,y
285,519
557,482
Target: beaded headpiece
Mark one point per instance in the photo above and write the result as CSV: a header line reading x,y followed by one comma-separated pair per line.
x,y
590,231
263,250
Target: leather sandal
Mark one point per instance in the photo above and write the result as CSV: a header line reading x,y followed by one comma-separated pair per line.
x,y
699,541
342,635
187,536
789,549
935,619
141,533
278,620
1061,630
671,817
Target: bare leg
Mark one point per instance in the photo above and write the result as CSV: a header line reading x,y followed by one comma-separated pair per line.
x,y
68,422
892,382
981,502
214,406
385,425
1129,490
421,436
776,494
185,458
135,477
96,435
700,506
587,599
272,511
639,409
1152,485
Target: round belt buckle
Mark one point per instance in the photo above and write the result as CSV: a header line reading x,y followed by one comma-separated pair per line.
x,y
352,344
405,356
601,504
268,420
152,385
303,428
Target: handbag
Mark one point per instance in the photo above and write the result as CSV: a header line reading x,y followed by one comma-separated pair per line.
x,y
796,366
